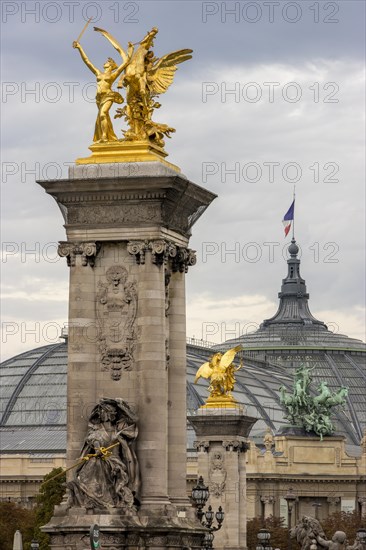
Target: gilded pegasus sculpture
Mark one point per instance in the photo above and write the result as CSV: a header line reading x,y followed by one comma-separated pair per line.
x,y
144,77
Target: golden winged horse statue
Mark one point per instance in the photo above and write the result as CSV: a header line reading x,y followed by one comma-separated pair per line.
x,y
145,77
220,370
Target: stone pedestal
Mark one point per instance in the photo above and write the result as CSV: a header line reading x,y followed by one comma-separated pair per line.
x,y
221,445
128,227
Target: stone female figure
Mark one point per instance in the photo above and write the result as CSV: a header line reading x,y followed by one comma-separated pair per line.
x,y
108,475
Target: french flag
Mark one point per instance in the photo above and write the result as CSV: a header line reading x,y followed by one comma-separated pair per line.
x,y
289,218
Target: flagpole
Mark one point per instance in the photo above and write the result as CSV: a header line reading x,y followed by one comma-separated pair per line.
x,y
293,221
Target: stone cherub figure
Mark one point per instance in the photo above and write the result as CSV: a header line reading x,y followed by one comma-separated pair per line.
x,y
338,541
310,535
220,370
108,474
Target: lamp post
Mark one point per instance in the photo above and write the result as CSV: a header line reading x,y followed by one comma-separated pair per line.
x,y
34,544
290,498
361,537
263,537
200,494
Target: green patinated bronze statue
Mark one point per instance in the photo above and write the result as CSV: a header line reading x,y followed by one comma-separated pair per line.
x,y
311,413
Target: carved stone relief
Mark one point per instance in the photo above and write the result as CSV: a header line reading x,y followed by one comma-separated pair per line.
x,y
86,250
113,213
217,474
116,311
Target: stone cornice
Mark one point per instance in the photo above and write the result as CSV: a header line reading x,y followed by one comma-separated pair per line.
x,y
170,201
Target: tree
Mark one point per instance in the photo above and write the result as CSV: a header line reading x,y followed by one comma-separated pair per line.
x,y
51,493
348,522
13,517
279,533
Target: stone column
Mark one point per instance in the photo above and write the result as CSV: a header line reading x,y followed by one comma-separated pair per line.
x,y
333,503
81,356
221,445
362,501
268,502
177,381
152,384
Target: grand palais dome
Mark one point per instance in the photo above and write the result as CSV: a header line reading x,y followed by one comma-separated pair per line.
x,y
33,397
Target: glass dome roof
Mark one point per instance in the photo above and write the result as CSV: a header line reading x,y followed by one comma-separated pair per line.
x,y
33,397
33,400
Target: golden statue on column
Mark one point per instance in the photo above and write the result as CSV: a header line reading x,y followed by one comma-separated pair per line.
x,y
221,372
143,77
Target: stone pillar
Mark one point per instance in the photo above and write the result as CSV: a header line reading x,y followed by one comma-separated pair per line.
x,y
176,361
333,503
128,228
153,384
362,501
221,445
268,502
82,358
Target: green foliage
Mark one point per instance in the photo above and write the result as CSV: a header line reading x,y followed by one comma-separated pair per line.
x,y
50,494
348,522
279,533
13,517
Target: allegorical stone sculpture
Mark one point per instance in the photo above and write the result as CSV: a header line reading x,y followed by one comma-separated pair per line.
x,y
108,475
144,77
311,413
310,535
220,370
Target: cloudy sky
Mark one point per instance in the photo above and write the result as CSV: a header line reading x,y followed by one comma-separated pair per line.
x,y
273,96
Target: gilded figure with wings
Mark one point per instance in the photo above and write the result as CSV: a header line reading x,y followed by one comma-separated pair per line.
x,y
220,370
144,77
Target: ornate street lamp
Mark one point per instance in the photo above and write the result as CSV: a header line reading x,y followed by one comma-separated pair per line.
x,y
290,498
263,537
34,544
361,536
200,494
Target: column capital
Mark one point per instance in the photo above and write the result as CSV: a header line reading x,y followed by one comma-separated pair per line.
x,y
87,251
201,446
269,499
163,250
333,500
236,445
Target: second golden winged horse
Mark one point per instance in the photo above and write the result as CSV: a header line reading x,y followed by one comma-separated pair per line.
x,y
144,77
220,370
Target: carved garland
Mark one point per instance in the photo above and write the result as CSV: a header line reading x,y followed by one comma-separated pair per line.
x,y
116,312
217,474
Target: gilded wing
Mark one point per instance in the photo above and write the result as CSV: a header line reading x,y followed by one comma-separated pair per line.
x,y
161,74
229,356
114,43
205,371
